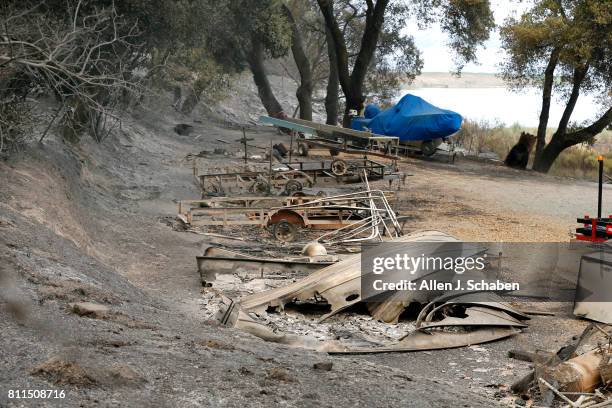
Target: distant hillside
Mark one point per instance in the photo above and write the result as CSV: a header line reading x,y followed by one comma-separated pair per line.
x,y
448,80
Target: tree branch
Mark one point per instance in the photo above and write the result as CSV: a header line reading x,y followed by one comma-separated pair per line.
x,y
584,134
549,76
578,77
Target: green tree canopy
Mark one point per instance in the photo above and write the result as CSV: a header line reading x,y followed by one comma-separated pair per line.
x,y
468,24
562,46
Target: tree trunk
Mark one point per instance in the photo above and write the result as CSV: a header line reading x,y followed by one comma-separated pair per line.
x,y
558,142
255,59
331,97
354,101
352,83
190,101
547,157
549,76
304,91
589,132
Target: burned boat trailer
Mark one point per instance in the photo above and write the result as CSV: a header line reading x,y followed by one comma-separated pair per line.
x,y
289,178
310,135
351,217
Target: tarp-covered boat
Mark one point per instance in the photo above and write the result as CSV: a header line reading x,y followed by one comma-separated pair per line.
x,y
413,119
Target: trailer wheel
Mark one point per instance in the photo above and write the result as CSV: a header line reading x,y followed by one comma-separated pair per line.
x,y
302,149
339,167
260,187
292,186
428,148
284,231
212,190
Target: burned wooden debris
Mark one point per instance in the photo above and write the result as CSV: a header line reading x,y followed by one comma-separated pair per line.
x,y
575,379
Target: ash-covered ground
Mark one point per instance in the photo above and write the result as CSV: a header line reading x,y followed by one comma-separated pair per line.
x,y
94,223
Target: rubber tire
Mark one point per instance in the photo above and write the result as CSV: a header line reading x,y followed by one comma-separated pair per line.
x,y
428,148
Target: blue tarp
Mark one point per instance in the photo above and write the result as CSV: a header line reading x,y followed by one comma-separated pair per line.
x,y
360,123
371,110
412,118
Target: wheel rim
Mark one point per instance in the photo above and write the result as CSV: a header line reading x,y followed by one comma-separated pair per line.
x,y
284,231
292,186
339,167
260,187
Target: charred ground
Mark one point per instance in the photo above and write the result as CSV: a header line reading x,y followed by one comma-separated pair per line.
x,y
89,223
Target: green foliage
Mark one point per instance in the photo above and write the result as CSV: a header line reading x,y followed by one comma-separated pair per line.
x,y
582,32
197,69
397,58
243,21
467,22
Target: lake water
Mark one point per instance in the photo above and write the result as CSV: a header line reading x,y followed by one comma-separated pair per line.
x,y
502,105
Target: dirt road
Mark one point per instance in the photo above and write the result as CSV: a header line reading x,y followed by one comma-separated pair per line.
x,y
484,201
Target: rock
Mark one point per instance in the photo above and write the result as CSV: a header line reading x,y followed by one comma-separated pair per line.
x,y
88,309
62,372
125,375
244,371
183,129
323,366
280,374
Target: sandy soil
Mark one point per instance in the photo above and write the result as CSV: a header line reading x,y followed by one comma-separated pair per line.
x,y
92,223
499,203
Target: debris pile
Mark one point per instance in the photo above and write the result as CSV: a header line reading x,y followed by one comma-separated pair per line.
x,y
578,380
446,322
296,276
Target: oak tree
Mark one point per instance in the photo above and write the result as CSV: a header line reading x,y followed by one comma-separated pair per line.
x,y
565,47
